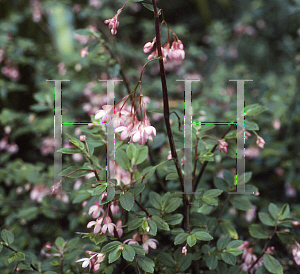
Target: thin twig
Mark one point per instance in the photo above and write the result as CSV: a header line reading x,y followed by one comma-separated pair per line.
x,y
186,203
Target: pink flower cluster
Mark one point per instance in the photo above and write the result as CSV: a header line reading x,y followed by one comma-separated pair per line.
x,y
176,52
126,122
113,23
147,242
105,224
249,257
95,260
11,148
223,146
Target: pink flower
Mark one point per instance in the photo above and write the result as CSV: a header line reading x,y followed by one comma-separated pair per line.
x,y
143,133
250,214
108,225
260,142
176,52
184,250
96,210
169,155
148,46
104,114
84,52
135,238
97,225
296,253
148,242
113,23
114,207
86,262
119,228
222,146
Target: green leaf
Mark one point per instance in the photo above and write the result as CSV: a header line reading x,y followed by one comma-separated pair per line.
x,y
166,259
131,151
228,258
98,238
234,244
266,219
150,7
128,253
110,194
127,201
75,142
221,184
114,255
11,258
153,228
145,263
255,110
81,195
173,176
212,193
136,0
7,236
258,231
60,242
160,223
76,172
144,224
172,205
241,203
155,200
99,189
274,211
191,240
212,262
234,251
138,249
110,246
284,212
272,265
210,201
174,219
203,236
180,238
122,159
20,256
70,150
229,177
1,247
228,228
137,189
223,242
184,262
135,223
141,155
250,125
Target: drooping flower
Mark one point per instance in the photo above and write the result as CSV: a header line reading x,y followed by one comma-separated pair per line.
x,y
184,250
222,146
96,210
84,52
260,142
113,23
176,52
148,242
97,225
86,262
135,238
108,225
119,228
148,46
104,114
